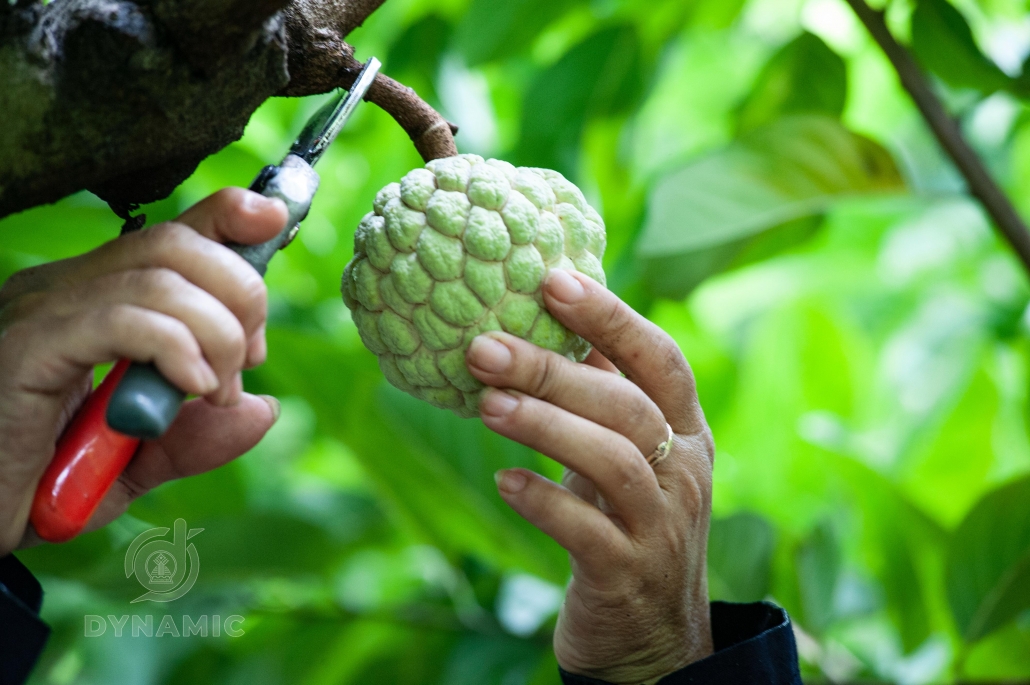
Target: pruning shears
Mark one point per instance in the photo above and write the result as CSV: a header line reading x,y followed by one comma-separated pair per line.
x,y
135,402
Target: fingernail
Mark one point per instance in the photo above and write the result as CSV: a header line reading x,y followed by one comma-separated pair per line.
x,y
236,393
274,405
497,403
208,380
510,481
257,350
489,354
564,286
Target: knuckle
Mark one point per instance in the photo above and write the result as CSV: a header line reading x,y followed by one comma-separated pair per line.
x,y
674,541
118,320
708,445
668,360
613,552
691,482
697,497
149,283
178,335
249,300
230,201
234,342
15,339
544,380
619,321
641,410
631,469
168,238
254,294
164,280
673,361
227,205
533,416
122,322
132,488
536,414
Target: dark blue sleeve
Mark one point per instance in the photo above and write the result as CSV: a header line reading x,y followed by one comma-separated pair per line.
x,y
754,643
22,634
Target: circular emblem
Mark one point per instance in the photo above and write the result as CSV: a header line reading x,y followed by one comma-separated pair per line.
x,y
166,568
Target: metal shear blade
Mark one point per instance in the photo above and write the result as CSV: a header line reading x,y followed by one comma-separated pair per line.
x,y
322,129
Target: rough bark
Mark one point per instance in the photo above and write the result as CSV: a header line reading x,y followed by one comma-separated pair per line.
x,y
126,97
317,31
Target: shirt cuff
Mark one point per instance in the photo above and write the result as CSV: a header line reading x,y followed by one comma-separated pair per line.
x,y
754,643
22,634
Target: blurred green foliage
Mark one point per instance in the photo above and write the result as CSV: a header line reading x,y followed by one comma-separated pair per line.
x,y
776,204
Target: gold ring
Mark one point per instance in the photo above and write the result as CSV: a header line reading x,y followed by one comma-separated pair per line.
x,y
662,451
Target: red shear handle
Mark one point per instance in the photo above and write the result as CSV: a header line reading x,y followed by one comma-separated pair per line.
x,y
88,460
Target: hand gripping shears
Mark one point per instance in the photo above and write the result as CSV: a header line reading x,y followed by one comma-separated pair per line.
x,y
135,402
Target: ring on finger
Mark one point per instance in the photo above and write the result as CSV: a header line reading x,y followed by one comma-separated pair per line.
x,y
662,451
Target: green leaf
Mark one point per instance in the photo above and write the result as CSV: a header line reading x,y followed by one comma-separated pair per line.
x,y
716,14
740,554
491,30
1002,657
676,275
818,565
70,227
415,55
805,76
364,648
944,44
988,567
443,495
704,215
491,659
899,538
264,545
601,76
219,492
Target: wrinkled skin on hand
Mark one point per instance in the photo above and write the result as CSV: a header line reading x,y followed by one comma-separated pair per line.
x,y
637,607
173,295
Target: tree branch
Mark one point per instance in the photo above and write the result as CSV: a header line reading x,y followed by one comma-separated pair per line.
x,y
981,184
126,97
206,31
317,30
105,95
432,135
325,62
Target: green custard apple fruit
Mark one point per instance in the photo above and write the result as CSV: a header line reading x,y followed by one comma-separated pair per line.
x,y
459,248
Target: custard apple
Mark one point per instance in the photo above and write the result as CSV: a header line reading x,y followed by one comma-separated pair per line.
x,y
459,248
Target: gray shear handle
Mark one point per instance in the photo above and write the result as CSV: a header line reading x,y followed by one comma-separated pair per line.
x,y
144,404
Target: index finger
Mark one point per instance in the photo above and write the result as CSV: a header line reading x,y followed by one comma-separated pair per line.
x,y
640,349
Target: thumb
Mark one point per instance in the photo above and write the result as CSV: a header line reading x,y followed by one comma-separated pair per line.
x,y
202,438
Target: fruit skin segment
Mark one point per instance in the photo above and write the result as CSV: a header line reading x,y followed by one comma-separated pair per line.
x,y
459,248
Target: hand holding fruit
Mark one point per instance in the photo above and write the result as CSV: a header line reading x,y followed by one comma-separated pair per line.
x,y
637,606
172,295
479,286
